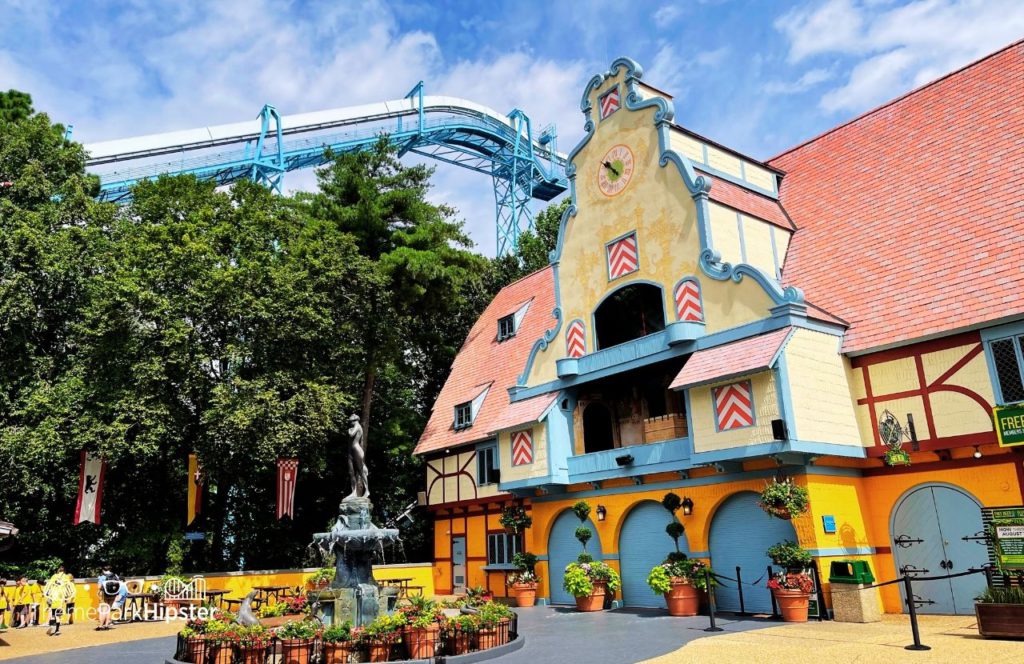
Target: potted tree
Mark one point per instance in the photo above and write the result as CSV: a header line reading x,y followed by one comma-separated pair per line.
x,y
524,580
1000,612
337,641
297,640
784,499
791,587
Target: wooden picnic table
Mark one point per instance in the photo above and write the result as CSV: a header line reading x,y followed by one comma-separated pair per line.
x,y
134,608
264,593
217,596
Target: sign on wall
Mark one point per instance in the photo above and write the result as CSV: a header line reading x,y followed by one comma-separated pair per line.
x,y
1010,425
1006,536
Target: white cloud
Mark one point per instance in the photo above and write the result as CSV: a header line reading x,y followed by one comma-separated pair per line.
x,y
898,46
808,80
666,14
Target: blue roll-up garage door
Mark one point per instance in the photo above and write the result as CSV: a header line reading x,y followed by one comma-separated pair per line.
x,y
563,548
740,534
643,543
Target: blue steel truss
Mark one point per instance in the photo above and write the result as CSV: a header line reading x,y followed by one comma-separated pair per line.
x,y
521,168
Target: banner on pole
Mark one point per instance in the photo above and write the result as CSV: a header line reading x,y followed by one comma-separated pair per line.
x,y
287,470
196,480
90,488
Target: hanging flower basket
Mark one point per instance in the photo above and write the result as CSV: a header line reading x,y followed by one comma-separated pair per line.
x,y
784,500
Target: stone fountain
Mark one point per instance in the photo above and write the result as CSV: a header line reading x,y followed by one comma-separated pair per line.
x,y
355,541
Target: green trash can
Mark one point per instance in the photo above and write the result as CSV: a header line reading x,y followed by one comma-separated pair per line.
x,y
852,598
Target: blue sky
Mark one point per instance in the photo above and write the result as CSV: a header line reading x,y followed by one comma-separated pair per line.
x,y
756,75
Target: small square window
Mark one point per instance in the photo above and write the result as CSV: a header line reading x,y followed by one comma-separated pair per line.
x,y
1006,357
464,415
506,327
487,465
502,547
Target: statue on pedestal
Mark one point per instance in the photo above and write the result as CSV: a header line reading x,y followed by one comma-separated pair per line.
x,y
357,472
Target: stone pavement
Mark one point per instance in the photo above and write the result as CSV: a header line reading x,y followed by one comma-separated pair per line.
x,y
18,645
953,639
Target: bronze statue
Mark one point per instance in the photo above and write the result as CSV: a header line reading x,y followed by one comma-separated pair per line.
x,y
357,461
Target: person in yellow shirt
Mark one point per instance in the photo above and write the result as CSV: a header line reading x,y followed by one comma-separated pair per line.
x,y
20,599
58,591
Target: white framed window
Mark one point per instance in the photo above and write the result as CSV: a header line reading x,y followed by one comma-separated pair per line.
x,y
464,415
1007,361
501,547
487,465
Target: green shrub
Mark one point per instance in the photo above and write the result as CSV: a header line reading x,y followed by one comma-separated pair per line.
x,y
790,555
1001,596
583,534
581,510
298,629
580,577
515,519
338,633
671,502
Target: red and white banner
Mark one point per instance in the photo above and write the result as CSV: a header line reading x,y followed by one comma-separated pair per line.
x,y
522,447
90,488
287,470
734,407
623,257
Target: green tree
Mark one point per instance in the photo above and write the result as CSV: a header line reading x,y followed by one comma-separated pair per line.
x,y
15,106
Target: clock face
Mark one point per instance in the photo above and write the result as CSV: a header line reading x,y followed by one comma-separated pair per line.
x,y
615,170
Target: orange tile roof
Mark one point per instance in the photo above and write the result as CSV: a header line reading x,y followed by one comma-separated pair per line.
x,y
483,361
910,215
738,358
522,412
748,202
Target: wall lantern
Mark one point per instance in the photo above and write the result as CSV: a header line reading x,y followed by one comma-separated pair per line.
x,y
601,512
687,506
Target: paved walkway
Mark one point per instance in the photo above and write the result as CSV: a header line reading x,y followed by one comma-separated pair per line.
x,y
555,635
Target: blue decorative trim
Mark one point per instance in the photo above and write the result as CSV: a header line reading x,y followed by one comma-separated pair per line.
x,y
777,447
609,556
541,344
782,386
542,557
1010,331
530,483
746,184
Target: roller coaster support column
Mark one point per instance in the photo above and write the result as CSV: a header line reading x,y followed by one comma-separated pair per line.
x,y
416,94
269,169
513,185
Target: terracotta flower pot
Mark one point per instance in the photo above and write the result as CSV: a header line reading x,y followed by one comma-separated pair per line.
x,y
379,651
683,599
595,600
196,649
337,652
793,604
526,593
276,621
422,641
297,651
488,638
463,642
251,654
219,653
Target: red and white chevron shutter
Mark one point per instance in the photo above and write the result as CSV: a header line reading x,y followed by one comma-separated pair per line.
x,y
575,339
623,257
734,406
688,304
609,102
522,447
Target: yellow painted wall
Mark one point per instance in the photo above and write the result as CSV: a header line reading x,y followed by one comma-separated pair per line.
x,y
823,407
657,205
538,468
766,409
462,485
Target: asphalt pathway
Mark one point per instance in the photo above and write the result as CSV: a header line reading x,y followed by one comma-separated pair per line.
x,y
553,634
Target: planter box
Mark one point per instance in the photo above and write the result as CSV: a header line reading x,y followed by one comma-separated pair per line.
x,y
664,427
1000,620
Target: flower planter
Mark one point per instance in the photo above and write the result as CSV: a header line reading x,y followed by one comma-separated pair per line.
x,y
422,641
463,642
488,638
251,654
683,599
526,594
793,604
379,651
297,651
337,652
595,600
196,649
1000,620
219,653
276,621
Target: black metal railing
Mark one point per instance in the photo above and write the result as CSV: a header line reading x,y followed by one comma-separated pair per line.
x,y
445,641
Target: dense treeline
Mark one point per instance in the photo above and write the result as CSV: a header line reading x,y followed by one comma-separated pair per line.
x,y
235,324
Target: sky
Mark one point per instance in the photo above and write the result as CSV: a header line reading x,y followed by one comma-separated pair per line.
x,y
756,75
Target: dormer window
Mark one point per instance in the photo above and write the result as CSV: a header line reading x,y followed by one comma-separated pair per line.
x,y
506,327
464,415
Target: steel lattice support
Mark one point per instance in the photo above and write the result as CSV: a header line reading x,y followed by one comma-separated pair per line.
x,y
513,185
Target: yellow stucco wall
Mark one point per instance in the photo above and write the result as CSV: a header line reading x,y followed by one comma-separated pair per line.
x,y
766,409
740,238
538,468
658,207
457,479
823,407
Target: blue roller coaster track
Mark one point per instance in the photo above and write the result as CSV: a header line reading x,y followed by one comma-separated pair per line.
x,y
451,130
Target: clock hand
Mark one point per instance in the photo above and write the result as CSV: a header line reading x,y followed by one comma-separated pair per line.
x,y
612,169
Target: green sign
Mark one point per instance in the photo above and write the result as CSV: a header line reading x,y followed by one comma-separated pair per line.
x,y
1010,425
1008,537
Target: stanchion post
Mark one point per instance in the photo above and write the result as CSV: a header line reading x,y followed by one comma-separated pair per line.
x,y
912,609
711,601
775,607
739,589
819,590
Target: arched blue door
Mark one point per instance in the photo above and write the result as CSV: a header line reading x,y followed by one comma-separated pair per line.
x,y
928,527
563,548
740,534
643,543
